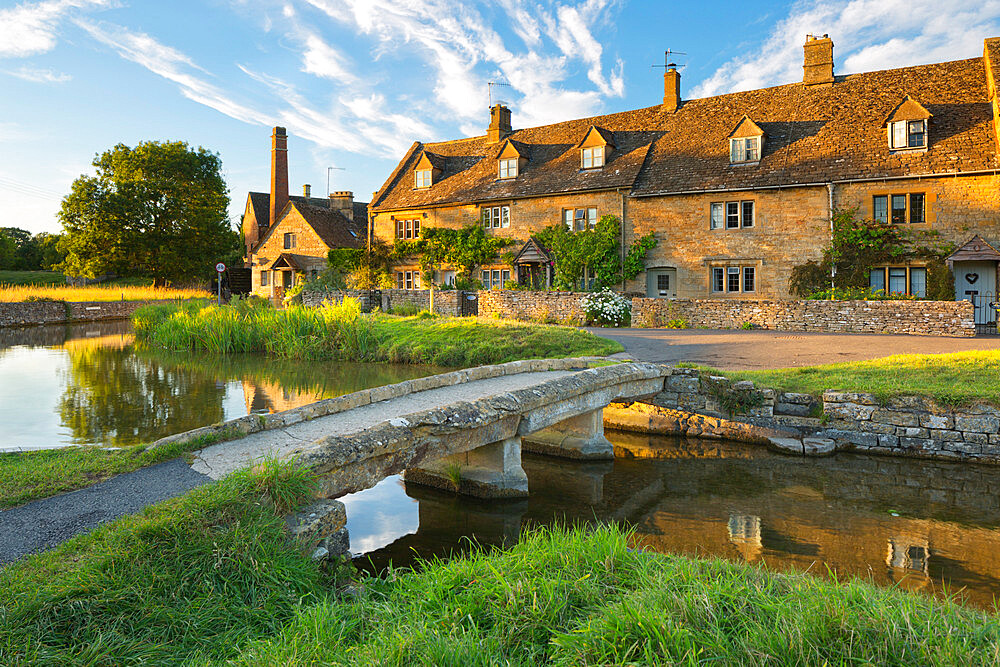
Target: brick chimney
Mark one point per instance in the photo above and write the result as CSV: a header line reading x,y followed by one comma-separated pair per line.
x,y
671,89
499,124
991,60
279,173
307,191
817,68
343,201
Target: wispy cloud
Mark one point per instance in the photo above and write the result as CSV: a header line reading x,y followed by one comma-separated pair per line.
x,y
32,28
868,35
39,75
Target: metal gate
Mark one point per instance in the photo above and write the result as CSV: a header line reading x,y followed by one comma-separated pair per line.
x,y
469,303
985,307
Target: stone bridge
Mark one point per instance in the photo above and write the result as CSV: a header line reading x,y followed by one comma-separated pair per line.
x,y
462,431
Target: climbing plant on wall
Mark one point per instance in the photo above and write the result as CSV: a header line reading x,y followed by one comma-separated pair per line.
x,y
465,249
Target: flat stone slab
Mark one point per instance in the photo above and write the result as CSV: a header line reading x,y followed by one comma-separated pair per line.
x,y
220,459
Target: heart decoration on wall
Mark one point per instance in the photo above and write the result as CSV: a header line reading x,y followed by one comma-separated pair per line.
x,y
971,278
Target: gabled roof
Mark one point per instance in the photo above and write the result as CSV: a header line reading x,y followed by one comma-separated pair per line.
x,y
746,128
908,109
974,250
286,260
260,202
532,253
596,136
509,149
429,161
332,227
815,134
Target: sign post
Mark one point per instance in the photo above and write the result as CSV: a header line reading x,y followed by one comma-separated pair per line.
x,y
220,267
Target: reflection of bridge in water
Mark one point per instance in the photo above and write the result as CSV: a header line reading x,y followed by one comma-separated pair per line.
x,y
743,503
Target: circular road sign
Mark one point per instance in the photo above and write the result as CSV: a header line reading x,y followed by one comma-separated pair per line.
x,y
220,267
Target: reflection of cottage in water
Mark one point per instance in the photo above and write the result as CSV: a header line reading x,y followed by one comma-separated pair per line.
x,y
263,398
908,559
744,532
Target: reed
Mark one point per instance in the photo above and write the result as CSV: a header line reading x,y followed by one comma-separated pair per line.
x,y
68,293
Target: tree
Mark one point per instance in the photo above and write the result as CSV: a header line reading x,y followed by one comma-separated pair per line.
x,y
156,210
8,252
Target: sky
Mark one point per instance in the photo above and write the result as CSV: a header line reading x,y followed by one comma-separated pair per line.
x,y
356,82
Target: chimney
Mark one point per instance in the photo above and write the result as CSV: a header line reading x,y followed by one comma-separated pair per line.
x,y
343,201
671,89
279,173
499,124
817,68
307,191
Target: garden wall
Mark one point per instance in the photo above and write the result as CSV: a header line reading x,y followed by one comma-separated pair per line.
x,y
563,307
933,318
446,302
31,313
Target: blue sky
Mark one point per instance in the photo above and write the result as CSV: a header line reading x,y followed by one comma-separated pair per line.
x,y
357,81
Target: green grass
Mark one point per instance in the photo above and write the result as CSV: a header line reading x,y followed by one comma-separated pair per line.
x,y
343,332
955,379
26,476
583,598
190,579
32,278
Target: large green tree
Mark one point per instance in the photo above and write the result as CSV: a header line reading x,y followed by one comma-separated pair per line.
x,y
157,210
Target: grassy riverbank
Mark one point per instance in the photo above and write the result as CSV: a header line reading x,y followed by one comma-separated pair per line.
x,y
110,292
958,378
211,578
343,332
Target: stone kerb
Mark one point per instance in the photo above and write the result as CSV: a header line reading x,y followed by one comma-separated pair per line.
x,y
935,318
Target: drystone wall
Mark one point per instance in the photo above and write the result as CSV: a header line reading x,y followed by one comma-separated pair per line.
x,y
31,313
446,302
934,318
561,307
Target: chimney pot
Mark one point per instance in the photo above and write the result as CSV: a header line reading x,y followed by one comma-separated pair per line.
x,y
671,89
279,173
817,65
307,191
499,124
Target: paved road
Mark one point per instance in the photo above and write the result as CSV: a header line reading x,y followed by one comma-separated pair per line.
x,y
44,523
748,350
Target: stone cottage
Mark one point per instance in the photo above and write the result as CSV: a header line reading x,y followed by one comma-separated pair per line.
x,y
737,188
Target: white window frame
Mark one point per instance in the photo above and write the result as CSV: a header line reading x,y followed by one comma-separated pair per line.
x,y
744,150
422,178
731,215
592,157
507,168
581,218
902,134
495,217
289,241
736,272
717,215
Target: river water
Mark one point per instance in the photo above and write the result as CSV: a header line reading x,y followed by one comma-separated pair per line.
x,y
920,525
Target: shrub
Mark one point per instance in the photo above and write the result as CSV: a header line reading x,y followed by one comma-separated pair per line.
x,y
607,308
858,294
405,309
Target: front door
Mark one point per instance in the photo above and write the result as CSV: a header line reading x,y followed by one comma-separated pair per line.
x,y
661,283
976,282
287,279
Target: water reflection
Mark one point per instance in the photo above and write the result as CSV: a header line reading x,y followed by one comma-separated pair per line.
x,y
921,525
89,384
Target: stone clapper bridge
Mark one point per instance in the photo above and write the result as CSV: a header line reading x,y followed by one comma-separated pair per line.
x,y
461,431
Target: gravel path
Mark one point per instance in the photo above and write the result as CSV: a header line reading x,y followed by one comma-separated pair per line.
x,y
44,523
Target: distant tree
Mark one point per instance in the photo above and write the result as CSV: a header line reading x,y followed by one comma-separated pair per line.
x,y
8,252
47,247
156,210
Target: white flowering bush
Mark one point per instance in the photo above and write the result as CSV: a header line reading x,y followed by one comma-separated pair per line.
x,y
607,308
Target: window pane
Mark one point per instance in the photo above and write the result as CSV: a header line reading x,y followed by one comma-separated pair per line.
x,y
717,279
568,218
581,218
717,217
736,152
898,209
917,207
918,282
504,277
880,208
416,280
505,216
591,217
733,279
748,279
876,279
486,218
899,134
748,214
263,278
599,156
752,152
408,224
485,277
732,215
416,228
663,283
916,132
588,158
897,280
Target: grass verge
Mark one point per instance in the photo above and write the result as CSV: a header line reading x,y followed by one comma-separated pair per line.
x,y
954,379
10,278
343,332
190,579
580,597
26,476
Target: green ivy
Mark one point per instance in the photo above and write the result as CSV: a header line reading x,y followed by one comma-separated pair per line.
x,y
466,249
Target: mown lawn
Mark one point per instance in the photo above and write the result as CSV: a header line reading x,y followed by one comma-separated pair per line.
x,y
955,379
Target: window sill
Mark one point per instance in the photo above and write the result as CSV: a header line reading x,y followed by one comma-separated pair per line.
x,y
590,170
745,164
900,151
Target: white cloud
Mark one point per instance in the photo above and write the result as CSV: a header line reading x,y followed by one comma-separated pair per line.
x,y
867,34
324,61
30,29
39,75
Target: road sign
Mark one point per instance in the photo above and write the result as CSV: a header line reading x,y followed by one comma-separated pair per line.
x,y
220,267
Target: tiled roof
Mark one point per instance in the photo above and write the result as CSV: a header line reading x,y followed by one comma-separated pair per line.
x,y
261,202
332,226
814,134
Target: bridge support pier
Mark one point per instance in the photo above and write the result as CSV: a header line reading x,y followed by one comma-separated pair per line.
x,y
490,471
580,437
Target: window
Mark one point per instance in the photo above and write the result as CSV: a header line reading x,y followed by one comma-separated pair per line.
x,y
495,217
592,158
718,215
747,207
588,279
899,208
906,134
408,279
407,229
718,279
508,167
744,149
876,279
289,241
495,278
733,215
663,283
733,279
911,280
287,279
422,178
748,279
918,282
578,219
263,278
897,280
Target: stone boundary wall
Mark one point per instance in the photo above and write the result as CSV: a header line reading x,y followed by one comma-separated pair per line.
x,y
446,302
562,307
903,426
30,313
934,318
370,299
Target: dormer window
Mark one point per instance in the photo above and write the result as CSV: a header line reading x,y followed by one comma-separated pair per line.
x,y
744,149
908,134
422,178
508,168
592,158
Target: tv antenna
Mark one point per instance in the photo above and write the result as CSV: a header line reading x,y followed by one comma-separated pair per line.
x,y
667,60
490,86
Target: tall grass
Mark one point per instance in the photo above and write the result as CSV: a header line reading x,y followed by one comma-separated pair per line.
x,y
96,293
342,331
